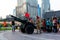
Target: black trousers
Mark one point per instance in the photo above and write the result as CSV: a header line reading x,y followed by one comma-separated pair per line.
x,y
43,28
48,28
55,29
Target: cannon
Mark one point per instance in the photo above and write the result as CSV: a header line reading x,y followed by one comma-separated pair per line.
x,y
26,26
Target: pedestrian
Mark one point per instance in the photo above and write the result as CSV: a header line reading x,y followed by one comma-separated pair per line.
x,y
44,25
13,26
55,24
5,25
38,24
58,25
51,25
48,25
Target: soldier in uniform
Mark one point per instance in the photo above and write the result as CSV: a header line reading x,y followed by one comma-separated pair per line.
x,y
38,24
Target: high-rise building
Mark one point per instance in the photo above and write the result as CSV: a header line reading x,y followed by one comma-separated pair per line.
x,y
30,6
45,6
39,11
14,12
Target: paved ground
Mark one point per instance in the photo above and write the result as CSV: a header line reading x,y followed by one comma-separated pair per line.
x,y
2,36
8,35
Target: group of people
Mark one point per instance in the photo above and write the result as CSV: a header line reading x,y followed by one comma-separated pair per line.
x,y
51,25
46,25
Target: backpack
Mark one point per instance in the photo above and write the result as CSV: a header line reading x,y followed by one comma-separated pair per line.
x,y
48,22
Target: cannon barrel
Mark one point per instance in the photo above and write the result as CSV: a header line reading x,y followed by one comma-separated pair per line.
x,y
18,19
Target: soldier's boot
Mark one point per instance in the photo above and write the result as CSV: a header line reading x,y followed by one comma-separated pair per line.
x,y
37,31
40,31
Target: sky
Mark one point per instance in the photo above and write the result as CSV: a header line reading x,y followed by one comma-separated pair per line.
x,y
54,4
7,6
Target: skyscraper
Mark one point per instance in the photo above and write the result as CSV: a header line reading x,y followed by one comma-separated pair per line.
x,y
39,11
30,6
45,6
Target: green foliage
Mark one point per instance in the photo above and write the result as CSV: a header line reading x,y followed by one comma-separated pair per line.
x,y
5,28
9,25
1,25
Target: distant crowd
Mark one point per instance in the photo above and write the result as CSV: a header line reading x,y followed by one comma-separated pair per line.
x,y
51,25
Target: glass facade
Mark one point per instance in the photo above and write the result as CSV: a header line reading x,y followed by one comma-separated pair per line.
x,y
30,6
45,7
39,11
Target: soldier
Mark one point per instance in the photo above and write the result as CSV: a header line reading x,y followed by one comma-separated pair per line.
x,y
38,24
31,20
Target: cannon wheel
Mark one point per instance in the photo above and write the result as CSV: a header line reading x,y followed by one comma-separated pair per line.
x,y
29,29
22,29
